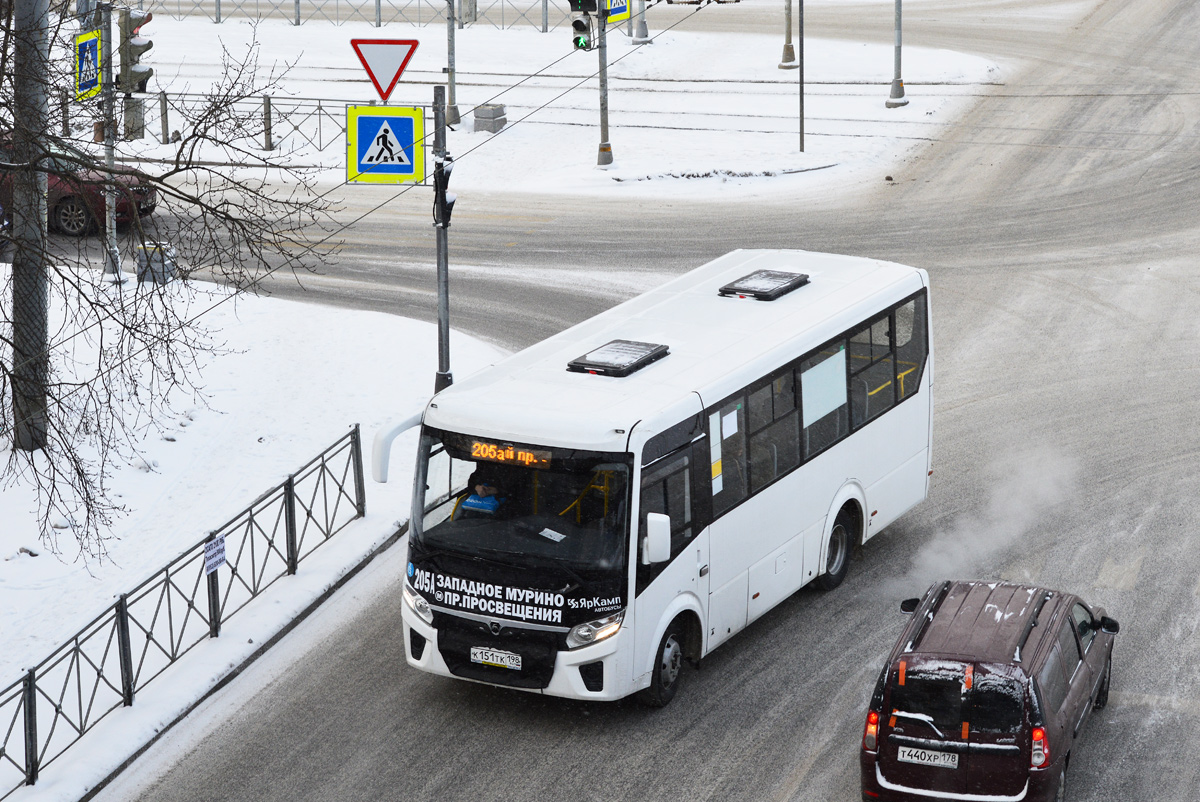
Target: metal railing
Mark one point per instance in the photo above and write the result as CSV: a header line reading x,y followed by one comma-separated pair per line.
x,y
105,664
544,15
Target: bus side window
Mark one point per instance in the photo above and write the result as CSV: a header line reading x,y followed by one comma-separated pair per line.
x,y
911,346
774,431
667,489
872,371
727,444
823,405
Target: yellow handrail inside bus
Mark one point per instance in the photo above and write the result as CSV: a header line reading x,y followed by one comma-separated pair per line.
x,y
602,481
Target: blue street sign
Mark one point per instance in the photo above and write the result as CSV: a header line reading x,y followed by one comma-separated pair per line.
x,y
385,144
87,65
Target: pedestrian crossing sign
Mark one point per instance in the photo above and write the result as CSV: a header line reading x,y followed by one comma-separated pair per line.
x,y
618,11
385,144
87,65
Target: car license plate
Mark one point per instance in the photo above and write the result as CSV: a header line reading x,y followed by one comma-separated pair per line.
x,y
928,757
495,657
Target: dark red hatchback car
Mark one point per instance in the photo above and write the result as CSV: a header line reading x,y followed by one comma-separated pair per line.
x,y
985,694
75,192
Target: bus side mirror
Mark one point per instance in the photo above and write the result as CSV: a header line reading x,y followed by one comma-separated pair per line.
x,y
1109,625
656,548
909,606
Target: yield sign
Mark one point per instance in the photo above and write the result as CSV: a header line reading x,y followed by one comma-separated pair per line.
x,y
384,59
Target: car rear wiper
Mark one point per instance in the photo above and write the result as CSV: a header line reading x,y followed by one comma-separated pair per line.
x,y
921,717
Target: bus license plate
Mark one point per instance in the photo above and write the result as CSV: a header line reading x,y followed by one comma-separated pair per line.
x,y
495,657
928,757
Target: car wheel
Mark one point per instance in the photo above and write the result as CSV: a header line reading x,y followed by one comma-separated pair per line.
x,y
1061,793
668,667
837,563
72,217
1102,694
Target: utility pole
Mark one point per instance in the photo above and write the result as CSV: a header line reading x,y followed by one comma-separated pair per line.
x,y
604,157
452,117
897,98
112,255
443,205
31,304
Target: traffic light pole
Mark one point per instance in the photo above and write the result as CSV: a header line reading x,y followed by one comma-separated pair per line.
x,y
442,205
604,157
112,254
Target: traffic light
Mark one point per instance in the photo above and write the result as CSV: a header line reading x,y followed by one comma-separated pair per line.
x,y
443,201
133,76
582,34
583,6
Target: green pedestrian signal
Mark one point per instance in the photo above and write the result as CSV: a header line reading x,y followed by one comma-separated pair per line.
x,y
582,34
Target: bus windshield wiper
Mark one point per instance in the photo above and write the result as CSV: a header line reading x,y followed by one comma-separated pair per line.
x,y
924,719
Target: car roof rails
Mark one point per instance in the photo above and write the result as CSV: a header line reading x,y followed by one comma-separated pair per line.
x,y
936,594
1031,623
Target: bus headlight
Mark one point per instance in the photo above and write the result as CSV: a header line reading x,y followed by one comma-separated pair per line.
x,y
594,631
416,602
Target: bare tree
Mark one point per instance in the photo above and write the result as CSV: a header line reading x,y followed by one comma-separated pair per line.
x,y
120,357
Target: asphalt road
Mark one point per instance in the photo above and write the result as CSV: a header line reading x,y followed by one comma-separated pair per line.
x,y
1058,222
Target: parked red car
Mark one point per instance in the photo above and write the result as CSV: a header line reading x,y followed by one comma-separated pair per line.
x,y
75,191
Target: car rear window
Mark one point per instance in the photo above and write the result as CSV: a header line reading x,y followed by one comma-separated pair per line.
x,y
935,696
930,694
997,701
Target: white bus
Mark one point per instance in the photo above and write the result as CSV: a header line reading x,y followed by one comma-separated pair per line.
x,y
593,511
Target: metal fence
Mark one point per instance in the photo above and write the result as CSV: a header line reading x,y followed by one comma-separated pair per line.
x,y
269,121
105,664
544,15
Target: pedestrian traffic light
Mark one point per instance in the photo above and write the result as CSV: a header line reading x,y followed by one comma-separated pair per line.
x,y
443,201
583,6
133,76
582,34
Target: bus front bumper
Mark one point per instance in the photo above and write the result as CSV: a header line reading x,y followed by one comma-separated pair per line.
x,y
597,672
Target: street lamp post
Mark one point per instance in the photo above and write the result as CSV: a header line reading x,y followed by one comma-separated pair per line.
x,y
641,36
897,98
604,157
788,61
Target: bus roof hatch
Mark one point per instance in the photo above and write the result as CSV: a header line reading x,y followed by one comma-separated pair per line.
x,y
765,285
618,358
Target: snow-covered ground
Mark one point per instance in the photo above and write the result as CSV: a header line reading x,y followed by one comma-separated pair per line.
x,y
300,375
691,113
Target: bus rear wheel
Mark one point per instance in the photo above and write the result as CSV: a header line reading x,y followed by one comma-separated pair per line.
x,y
668,668
837,561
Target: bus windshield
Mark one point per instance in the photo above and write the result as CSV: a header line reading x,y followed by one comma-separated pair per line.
x,y
522,504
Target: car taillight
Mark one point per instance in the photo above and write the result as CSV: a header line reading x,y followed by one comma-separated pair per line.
x,y
1040,754
871,733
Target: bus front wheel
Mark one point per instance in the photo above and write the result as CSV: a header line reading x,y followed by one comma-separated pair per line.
x,y
668,668
837,560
